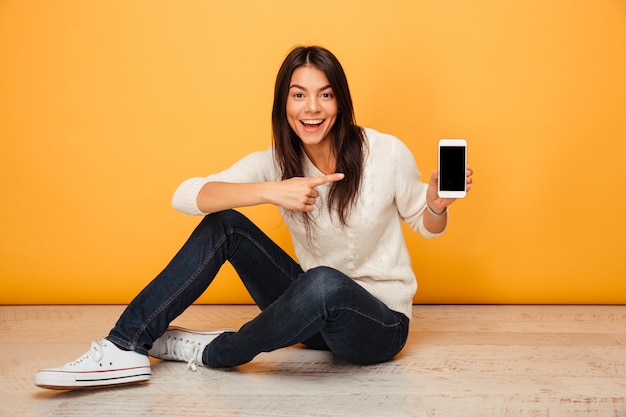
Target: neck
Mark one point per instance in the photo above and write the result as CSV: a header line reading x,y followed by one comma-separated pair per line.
x,y
323,158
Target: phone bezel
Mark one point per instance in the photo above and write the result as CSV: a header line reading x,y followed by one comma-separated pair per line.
x,y
451,143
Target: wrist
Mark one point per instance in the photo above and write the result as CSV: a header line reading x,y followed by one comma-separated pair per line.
x,y
434,213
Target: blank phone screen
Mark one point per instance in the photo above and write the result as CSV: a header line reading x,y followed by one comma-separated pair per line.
x,y
452,168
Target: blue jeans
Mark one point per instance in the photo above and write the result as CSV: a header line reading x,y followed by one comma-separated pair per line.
x,y
321,308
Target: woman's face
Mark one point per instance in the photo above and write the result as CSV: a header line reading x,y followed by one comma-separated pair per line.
x,y
311,106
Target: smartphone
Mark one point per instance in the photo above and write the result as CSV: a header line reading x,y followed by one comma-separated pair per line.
x,y
452,167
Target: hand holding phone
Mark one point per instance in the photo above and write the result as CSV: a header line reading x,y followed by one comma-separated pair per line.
x,y
452,168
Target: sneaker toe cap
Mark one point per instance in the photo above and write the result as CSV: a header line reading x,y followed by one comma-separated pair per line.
x,y
55,378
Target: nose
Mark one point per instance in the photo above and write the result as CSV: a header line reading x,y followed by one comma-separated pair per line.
x,y
313,104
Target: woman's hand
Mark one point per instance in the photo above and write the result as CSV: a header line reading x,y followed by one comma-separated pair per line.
x,y
436,203
436,217
299,193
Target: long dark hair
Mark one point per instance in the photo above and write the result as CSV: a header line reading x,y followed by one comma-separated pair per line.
x,y
347,137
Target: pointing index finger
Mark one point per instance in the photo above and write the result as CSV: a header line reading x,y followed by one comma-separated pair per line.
x,y
324,179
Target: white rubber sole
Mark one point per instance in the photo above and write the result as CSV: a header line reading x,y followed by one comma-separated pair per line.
x,y
65,380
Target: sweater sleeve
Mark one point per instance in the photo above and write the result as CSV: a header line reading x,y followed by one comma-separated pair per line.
x,y
410,191
256,167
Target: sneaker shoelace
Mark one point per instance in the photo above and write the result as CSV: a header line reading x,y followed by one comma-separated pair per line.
x,y
184,351
94,353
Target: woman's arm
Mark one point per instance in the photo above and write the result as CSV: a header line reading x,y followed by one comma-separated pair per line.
x,y
218,196
292,194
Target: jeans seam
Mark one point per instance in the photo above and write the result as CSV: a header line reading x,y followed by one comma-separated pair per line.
x,y
395,324
260,247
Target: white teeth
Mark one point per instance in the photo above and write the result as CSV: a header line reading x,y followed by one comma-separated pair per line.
x,y
312,122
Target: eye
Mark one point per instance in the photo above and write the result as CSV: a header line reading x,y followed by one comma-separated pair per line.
x,y
327,95
297,95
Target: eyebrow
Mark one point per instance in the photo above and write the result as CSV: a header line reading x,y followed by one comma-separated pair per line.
x,y
326,87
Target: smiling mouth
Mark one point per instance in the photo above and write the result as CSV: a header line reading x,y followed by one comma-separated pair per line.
x,y
312,122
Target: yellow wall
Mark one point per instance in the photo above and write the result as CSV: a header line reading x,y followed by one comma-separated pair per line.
x,y
105,106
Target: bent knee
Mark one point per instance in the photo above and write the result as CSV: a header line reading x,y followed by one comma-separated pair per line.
x,y
228,219
326,283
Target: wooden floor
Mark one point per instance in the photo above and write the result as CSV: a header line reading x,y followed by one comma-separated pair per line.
x,y
459,361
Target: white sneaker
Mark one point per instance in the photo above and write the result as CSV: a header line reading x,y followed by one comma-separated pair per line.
x,y
185,345
103,364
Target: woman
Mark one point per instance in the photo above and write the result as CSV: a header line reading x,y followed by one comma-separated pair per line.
x,y
343,191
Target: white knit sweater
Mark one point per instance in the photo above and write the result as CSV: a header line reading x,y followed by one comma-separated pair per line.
x,y
371,249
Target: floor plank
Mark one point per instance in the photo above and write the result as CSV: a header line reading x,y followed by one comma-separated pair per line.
x,y
459,361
